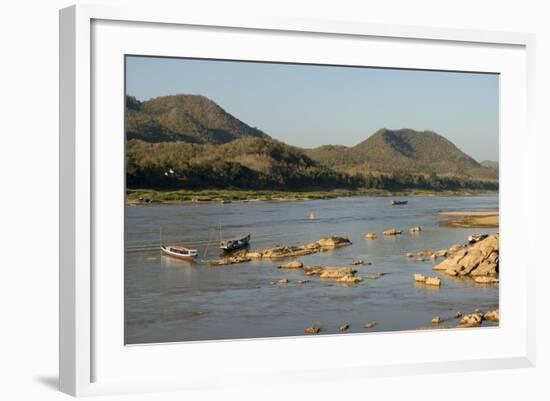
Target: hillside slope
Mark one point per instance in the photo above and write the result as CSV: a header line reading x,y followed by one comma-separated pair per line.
x,y
189,118
404,150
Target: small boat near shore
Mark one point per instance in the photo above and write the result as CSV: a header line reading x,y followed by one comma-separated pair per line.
x,y
232,244
179,252
472,239
396,202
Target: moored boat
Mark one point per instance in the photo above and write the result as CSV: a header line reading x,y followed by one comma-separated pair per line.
x,y
473,238
234,243
396,202
179,252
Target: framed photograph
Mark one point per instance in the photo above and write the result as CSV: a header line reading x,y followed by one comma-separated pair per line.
x,y
271,198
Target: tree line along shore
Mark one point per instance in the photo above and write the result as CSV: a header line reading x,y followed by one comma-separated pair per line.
x,y
154,196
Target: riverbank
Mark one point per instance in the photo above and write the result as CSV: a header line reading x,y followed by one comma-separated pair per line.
x,y
470,219
145,196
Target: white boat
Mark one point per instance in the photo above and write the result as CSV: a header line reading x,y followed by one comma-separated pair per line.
x,y
476,237
179,252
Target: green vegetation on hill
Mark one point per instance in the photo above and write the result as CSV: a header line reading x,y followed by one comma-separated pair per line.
x,y
189,118
389,151
187,142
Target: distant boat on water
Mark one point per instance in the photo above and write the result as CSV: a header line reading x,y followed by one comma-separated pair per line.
x,y
396,202
231,244
179,252
312,216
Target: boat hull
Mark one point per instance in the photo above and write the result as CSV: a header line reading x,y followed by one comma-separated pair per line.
x,y
233,245
176,255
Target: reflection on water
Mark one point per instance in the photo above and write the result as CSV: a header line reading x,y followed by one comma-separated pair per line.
x,y
173,300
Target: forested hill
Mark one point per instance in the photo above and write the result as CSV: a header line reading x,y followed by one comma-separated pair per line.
x,y
405,150
189,118
188,141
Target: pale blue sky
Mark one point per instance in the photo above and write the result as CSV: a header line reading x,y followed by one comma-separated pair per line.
x,y
309,106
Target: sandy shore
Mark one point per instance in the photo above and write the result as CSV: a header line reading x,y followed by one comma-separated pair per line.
x,y
467,219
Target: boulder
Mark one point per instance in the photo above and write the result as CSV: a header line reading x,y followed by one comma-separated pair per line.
x,y
288,251
441,253
492,316
450,272
419,278
486,280
312,330
230,260
451,263
471,320
455,248
349,279
344,275
486,268
392,231
295,264
435,281
470,261
333,273
333,242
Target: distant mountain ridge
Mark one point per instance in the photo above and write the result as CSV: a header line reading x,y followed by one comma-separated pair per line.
x,y
405,150
188,118
189,141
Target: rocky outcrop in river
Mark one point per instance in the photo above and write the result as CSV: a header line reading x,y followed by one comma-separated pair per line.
x,y
288,251
479,260
344,275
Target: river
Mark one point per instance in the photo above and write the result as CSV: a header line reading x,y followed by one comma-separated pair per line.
x,y
168,300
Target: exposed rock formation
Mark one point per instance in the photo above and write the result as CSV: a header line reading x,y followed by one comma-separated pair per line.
x,y
344,275
480,259
493,316
392,231
230,260
471,320
295,264
312,330
437,320
435,281
486,280
419,278
287,251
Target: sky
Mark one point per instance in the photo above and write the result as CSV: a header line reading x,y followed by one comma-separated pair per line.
x,y
313,105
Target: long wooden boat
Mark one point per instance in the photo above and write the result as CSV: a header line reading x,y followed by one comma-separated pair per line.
x,y
179,252
396,202
231,244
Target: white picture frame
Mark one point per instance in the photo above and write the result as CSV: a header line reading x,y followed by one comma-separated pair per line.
x,y
82,345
